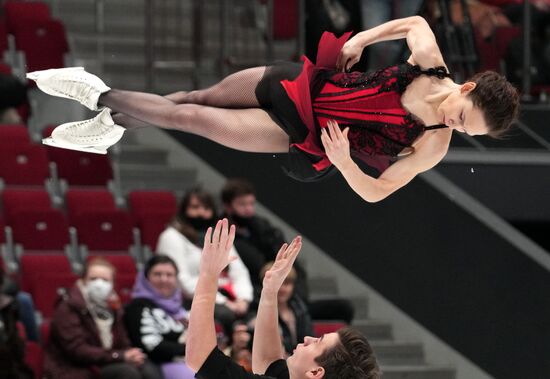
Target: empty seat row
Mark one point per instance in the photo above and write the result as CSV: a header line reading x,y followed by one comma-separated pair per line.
x,y
100,226
24,163
36,34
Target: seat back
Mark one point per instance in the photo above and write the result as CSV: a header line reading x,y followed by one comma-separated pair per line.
x,y
34,357
2,233
23,165
44,44
80,168
40,229
18,200
14,134
151,227
46,288
104,230
143,203
88,201
24,12
34,264
285,19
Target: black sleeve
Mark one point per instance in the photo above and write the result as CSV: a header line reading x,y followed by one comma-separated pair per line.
x,y
278,369
220,366
141,327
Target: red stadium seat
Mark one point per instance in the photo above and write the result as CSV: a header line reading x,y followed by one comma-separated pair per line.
x,y
2,234
81,169
104,230
152,211
14,134
151,227
45,332
23,165
124,284
324,327
493,50
21,330
17,200
5,69
32,265
44,44
34,357
40,230
47,287
85,201
143,203
285,19
19,13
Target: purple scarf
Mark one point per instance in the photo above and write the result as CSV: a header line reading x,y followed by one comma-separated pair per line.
x,y
171,305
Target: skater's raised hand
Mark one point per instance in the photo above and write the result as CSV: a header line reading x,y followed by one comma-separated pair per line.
x,y
217,243
276,275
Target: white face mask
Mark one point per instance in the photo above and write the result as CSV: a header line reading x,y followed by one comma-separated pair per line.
x,y
99,289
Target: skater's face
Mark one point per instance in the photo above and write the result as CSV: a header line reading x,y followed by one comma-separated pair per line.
x,y
163,278
302,364
197,209
243,206
459,113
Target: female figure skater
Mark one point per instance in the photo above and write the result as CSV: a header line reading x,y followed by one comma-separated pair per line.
x,y
398,121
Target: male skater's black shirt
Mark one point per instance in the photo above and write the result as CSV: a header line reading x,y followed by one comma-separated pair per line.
x,y
220,366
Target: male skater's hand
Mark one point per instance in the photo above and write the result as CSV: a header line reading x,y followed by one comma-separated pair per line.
x,y
276,275
215,253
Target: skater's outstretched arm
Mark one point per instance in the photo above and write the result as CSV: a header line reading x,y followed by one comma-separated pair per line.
x,y
396,176
201,335
267,346
420,39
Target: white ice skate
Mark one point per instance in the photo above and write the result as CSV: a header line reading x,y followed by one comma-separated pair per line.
x,y
92,136
72,83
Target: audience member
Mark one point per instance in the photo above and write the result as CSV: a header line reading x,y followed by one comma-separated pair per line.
x,y
26,307
13,94
182,241
241,345
155,318
87,334
12,347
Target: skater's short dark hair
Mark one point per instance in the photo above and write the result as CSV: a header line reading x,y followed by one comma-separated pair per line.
x,y
236,187
498,99
351,358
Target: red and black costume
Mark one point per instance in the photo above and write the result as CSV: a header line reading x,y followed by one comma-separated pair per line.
x,y
369,104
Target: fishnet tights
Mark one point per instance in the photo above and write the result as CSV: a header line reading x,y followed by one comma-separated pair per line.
x,y
227,113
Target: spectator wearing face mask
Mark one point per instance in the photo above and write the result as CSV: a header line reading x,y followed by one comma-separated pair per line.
x,y
182,241
87,335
